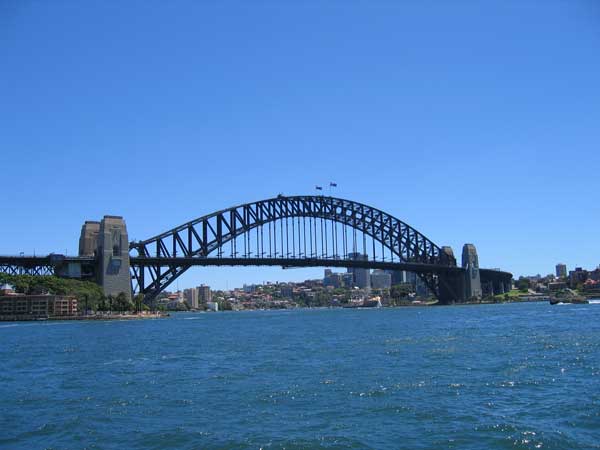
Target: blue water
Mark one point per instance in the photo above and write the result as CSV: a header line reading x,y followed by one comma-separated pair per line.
x,y
513,376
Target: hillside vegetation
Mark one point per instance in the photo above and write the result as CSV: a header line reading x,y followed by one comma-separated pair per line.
x,y
85,291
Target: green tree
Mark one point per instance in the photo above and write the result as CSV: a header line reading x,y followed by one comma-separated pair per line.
x,y
102,304
225,306
400,291
110,300
139,303
523,284
122,303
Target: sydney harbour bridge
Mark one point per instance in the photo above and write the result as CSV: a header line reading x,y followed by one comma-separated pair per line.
x,y
286,231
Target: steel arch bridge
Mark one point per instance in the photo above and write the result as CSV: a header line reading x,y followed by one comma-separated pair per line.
x,y
297,231
294,231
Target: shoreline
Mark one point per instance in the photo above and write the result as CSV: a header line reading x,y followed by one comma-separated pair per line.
x,y
17,318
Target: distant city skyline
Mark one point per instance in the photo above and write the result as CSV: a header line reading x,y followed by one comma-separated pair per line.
x,y
480,127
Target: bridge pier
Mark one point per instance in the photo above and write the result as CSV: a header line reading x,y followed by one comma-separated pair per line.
x,y
107,241
470,262
498,287
451,288
113,253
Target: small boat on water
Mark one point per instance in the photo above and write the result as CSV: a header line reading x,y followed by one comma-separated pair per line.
x,y
376,303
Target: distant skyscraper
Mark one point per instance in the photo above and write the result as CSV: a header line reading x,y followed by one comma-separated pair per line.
x,y
204,294
411,278
333,279
380,279
561,270
362,278
191,295
348,280
398,276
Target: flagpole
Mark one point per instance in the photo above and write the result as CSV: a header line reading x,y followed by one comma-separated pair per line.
x,y
331,185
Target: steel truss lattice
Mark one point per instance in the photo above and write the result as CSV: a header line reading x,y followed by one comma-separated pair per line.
x,y
211,234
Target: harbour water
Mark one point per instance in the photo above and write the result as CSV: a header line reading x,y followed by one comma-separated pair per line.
x,y
523,376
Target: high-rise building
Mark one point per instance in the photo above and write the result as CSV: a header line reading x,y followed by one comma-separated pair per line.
x,y
191,296
398,276
380,279
333,279
348,280
411,278
362,278
204,294
561,270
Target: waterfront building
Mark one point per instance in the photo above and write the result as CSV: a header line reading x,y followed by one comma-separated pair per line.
x,y
594,274
43,305
361,277
561,270
204,294
381,279
191,296
7,289
591,287
213,306
577,276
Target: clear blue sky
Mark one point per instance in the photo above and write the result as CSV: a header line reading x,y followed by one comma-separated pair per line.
x,y
473,121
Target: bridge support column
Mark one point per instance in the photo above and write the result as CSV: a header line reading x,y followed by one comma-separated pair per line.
x,y
113,257
487,288
498,287
470,262
451,288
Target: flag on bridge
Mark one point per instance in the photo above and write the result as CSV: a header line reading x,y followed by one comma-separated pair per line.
x,y
333,184
319,188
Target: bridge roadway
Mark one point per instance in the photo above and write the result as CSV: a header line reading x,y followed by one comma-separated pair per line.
x,y
46,265
291,262
51,259
51,264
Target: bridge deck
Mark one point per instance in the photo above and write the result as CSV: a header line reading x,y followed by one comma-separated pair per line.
x,y
290,262
54,259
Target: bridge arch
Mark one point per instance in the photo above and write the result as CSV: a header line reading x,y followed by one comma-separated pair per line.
x,y
210,234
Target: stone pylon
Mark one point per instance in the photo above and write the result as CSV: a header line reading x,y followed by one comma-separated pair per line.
x,y
113,256
88,241
470,262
